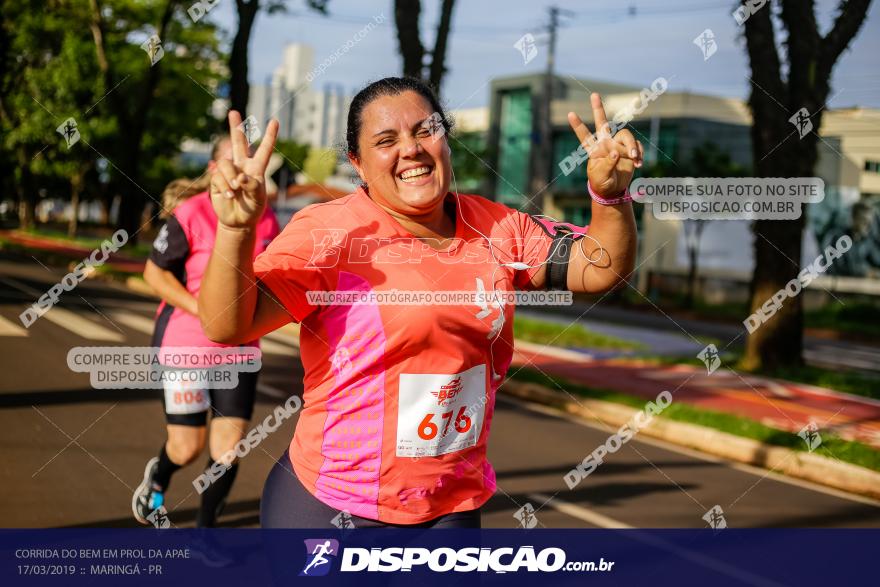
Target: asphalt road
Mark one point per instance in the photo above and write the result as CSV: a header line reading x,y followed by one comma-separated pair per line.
x,y
72,455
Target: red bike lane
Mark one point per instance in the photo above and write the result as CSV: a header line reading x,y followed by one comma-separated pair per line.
x,y
780,404
71,249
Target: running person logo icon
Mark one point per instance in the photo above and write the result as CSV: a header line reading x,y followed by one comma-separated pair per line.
x,y
710,357
317,563
706,42
527,47
434,126
801,121
715,518
343,520
526,516
153,48
810,434
159,518
341,360
251,130
68,129
482,301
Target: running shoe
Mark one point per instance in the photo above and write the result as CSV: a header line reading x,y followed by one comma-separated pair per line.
x,y
147,498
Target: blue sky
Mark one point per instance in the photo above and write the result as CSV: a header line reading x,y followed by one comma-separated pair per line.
x,y
600,41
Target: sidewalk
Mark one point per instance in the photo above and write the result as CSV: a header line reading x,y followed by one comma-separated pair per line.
x,y
117,261
660,331
780,404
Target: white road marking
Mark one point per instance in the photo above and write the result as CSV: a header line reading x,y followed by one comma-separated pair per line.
x,y
272,347
81,326
287,334
272,391
278,345
578,512
66,319
134,321
9,328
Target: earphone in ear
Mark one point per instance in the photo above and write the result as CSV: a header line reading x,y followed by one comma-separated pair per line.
x,y
448,149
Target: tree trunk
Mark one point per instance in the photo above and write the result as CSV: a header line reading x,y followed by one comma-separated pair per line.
x,y
779,150
239,89
26,214
27,197
132,203
690,294
693,233
778,247
438,56
76,183
406,17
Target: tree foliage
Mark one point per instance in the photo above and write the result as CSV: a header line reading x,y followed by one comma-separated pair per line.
x,y
82,59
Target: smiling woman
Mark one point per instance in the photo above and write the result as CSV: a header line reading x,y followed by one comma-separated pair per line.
x,y
405,159
399,397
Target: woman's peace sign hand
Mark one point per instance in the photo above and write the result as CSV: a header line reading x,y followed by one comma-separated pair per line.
x,y
238,187
612,159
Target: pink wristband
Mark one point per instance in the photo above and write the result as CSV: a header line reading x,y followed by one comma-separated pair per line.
x,y
621,199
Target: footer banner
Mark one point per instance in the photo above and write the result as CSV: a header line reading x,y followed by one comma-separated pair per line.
x,y
250,558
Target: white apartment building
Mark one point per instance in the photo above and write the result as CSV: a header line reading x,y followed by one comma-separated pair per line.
x,y
315,117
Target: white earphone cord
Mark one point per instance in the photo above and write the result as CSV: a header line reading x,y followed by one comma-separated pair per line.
x,y
514,265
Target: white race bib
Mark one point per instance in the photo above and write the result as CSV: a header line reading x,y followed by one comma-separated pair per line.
x,y
440,413
183,397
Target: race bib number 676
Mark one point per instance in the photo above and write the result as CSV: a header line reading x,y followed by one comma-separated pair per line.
x,y
440,413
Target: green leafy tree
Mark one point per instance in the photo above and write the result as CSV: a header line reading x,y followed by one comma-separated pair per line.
x,y
154,105
294,154
50,86
82,59
469,152
319,164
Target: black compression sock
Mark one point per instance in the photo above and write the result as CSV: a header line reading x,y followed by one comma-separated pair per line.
x,y
214,497
164,470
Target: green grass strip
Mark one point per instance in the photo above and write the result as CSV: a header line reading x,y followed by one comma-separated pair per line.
x,y
575,335
856,453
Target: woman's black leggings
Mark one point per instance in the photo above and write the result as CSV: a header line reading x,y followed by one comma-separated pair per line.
x,y
288,504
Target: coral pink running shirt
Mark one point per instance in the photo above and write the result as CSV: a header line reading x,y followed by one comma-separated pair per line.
x,y
399,399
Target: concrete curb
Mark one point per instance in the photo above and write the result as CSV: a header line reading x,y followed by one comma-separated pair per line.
x,y
803,465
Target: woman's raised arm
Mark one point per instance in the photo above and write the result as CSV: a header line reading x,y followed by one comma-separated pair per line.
x,y
605,259
233,308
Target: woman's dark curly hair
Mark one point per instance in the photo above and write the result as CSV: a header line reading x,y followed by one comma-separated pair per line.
x,y
389,86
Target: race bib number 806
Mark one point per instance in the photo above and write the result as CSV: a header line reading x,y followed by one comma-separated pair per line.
x,y
440,413
184,397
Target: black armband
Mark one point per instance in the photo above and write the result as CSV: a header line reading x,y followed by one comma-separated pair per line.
x,y
557,261
564,236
